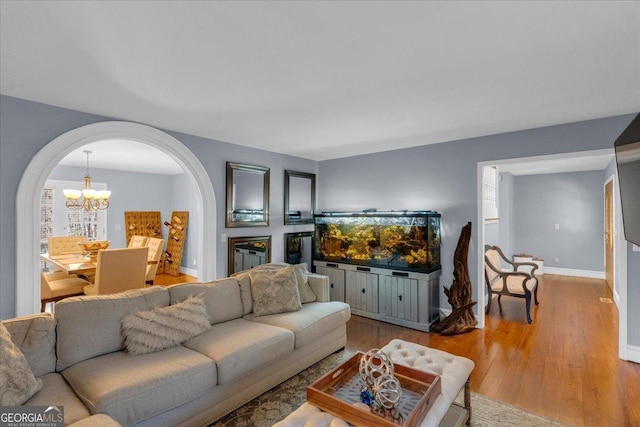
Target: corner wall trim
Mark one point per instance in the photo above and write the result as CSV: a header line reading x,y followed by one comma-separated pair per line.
x,y
633,353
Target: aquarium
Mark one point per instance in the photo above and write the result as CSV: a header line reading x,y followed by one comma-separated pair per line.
x,y
399,240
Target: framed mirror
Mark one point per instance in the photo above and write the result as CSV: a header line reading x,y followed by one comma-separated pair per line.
x,y
297,248
299,197
247,252
247,201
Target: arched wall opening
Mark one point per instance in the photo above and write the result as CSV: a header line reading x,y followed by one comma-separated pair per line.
x,y
40,167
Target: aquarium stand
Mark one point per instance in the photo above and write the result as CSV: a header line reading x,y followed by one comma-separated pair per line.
x,y
400,297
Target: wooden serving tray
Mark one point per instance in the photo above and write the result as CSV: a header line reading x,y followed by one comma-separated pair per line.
x,y
338,392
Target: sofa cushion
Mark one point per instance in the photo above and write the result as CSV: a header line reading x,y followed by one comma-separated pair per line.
x,y
35,336
57,392
274,291
164,327
17,383
239,346
311,322
132,388
221,297
89,326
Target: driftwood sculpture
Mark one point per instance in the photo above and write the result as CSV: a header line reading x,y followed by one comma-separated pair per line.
x,y
461,319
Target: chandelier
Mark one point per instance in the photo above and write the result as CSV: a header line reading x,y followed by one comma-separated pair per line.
x,y
87,199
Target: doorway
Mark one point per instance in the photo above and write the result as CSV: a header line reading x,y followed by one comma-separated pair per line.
x,y
619,254
36,173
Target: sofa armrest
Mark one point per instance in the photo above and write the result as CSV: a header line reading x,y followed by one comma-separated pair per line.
x,y
320,286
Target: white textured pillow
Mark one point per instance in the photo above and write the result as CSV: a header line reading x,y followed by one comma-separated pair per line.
x,y
17,383
306,293
165,327
274,291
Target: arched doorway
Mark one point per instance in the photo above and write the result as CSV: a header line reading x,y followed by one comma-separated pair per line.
x,y
36,173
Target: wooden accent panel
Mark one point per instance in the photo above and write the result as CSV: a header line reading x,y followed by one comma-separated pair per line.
x,y
563,366
142,223
175,242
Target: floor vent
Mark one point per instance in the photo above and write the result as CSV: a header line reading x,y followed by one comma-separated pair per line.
x,y
607,300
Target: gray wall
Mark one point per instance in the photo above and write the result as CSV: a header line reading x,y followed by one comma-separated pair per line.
x,y
574,201
27,126
443,177
505,211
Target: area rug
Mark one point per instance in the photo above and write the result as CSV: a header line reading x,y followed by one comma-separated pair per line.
x,y
285,398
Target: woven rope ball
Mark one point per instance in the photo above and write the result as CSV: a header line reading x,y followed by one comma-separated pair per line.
x,y
387,391
374,364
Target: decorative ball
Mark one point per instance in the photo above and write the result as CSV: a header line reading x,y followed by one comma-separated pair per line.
x,y
373,365
387,391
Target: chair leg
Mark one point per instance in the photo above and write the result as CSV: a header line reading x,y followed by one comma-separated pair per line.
x,y
43,305
527,297
489,304
535,295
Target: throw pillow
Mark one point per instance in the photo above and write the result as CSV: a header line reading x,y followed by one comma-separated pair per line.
x,y
165,327
306,293
274,291
17,383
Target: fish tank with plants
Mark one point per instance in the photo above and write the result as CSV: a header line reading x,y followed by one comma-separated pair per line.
x,y
399,240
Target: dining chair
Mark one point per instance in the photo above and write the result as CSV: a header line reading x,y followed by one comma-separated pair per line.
x,y
156,248
57,286
119,270
137,241
65,245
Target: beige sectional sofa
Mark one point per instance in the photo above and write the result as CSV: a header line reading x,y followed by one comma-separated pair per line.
x,y
80,356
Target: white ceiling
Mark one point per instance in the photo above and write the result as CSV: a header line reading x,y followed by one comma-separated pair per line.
x,y
329,79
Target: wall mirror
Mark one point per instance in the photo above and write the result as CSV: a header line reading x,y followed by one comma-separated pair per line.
x,y
247,252
247,201
297,248
299,197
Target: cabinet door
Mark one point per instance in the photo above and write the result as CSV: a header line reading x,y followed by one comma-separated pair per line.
x,y
336,282
399,297
362,291
237,261
251,260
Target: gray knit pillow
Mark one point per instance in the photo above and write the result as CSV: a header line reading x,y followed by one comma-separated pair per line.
x,y
164,327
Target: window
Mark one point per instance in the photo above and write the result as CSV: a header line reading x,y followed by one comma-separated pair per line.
x,y
490,193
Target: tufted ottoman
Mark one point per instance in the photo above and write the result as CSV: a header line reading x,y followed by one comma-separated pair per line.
x,y
453,370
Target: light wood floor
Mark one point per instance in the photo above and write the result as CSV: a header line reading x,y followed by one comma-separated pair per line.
x,y
563,366
167,279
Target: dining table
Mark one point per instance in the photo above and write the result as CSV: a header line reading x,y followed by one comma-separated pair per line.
x,y
75,263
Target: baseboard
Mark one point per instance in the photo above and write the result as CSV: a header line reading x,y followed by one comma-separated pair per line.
x,y
591,274
633,353
189,271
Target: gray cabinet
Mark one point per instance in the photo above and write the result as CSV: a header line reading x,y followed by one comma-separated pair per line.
x,y
400,297
336,281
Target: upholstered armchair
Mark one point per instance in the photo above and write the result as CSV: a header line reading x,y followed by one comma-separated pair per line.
x,y
119,270
514,283
156,248
57,286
